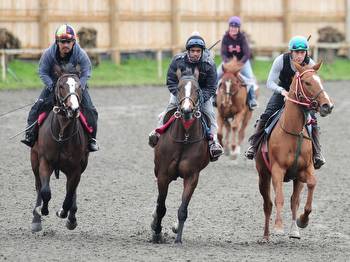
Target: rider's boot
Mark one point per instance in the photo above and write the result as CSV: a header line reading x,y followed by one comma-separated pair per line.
x,y
252,102
93,145
260,126
319,160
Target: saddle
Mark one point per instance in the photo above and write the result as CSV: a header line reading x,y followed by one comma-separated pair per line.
x,y
82,118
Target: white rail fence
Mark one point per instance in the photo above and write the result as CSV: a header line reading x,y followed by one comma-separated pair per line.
x,y
6,52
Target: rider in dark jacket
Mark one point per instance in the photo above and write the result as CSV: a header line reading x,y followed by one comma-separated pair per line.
x,y
196,56
66,53
279,80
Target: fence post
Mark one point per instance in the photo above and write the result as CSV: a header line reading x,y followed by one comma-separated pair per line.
x,y
347,25
159,64
43,24
287,21
114,24
175,26
3,64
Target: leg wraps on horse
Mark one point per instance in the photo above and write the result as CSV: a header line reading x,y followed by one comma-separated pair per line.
x,y
89,111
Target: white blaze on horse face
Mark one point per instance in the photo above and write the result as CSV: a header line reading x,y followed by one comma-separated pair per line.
x,y
228,86
187,102
318,80
73,98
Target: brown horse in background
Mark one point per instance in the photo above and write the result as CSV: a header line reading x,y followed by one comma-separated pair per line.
x,y
233,111
61,145
290,150
182,151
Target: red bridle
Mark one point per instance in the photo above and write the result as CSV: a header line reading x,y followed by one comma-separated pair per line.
x,y
311,102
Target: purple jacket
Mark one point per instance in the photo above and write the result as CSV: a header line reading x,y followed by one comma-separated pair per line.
x,y
235,47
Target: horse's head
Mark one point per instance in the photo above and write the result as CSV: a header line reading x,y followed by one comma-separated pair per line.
x,y
309,90
188,94
68,93
230,82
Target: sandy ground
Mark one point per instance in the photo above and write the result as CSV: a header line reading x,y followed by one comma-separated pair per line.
x,y
117,194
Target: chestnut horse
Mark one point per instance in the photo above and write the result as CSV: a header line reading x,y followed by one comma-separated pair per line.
x,y
182,151
233,111
290,152
61,145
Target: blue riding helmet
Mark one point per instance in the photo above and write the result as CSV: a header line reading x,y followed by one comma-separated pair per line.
x,y
298,43
195,41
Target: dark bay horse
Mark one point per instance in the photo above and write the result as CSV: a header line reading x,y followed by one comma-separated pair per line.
x,y
61,146
290,150
182,151
233,111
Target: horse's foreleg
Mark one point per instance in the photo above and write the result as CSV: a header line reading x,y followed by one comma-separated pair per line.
x,y
265,189
160,209
73,180
245,121
45,171
190,184
294,204
303,220
72,220
220,122
36,222
277,181
235,126
227,136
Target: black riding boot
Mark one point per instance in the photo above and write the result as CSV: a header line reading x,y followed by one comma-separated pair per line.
x,y
93,146
255,139
319,160
31,135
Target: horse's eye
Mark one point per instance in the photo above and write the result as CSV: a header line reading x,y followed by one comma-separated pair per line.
x,y
307,83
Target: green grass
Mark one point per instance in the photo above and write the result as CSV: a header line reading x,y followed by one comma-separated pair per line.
x,y
144,72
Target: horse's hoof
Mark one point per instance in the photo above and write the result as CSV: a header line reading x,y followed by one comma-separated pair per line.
x,y
278,231
178,241
36,227
300,224
175,227
264,240
61,213
294,235
157,238
71,225
44,211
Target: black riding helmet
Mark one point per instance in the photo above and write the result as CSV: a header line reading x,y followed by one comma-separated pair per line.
x,y
195,41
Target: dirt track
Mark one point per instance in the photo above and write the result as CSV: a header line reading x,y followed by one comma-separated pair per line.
x,y
117,194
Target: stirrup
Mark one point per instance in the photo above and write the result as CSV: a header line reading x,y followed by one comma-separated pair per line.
x,y
319,161
153,138
250,153
215,150
93,146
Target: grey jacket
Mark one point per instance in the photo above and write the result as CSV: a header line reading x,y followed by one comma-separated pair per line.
x,y
49,59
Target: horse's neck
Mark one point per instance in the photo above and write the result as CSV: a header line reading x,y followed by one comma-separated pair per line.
x,y
293,118
194,130
65,126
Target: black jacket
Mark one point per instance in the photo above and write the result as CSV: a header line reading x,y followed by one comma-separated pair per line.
x,y
207,73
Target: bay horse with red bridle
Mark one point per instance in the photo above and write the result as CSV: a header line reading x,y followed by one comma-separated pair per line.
x,y
232,110
287,154
182,151
62,145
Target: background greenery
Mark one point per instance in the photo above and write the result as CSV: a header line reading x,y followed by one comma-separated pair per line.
x,y
23,74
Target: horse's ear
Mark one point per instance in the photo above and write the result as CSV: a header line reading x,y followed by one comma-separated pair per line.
x,y
178,73
196,73
298,67
317,66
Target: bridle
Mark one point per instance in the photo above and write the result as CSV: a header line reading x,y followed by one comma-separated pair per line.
x,y
62,107
310,103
